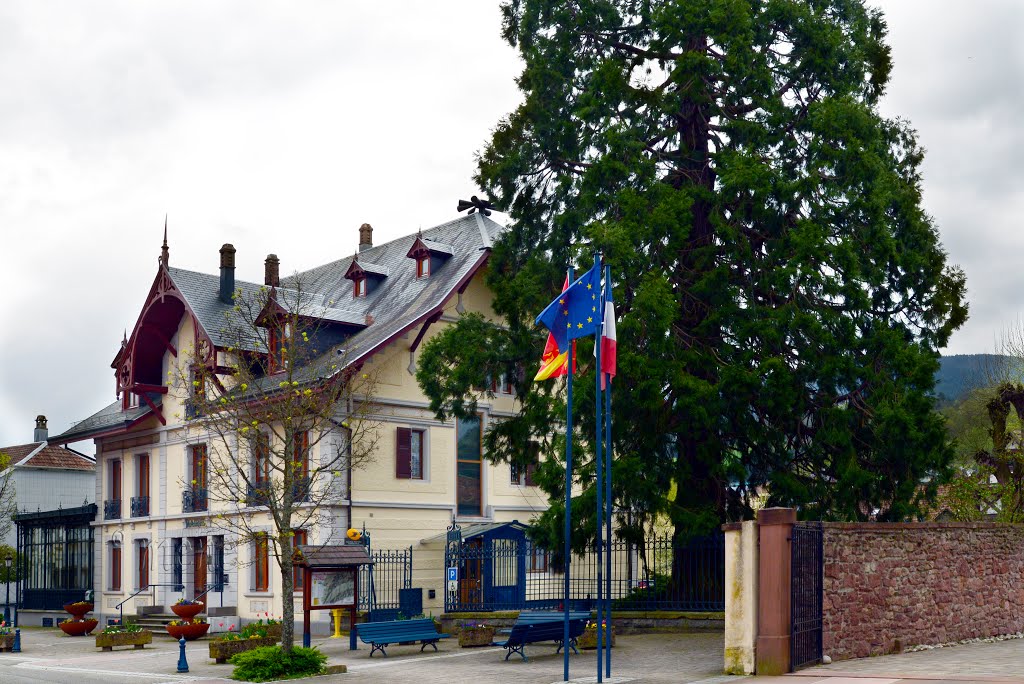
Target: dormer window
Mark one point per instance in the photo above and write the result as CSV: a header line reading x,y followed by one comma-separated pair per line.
x,y
365,277
280,335
430,255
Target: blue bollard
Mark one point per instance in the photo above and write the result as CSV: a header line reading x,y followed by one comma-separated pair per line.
x,y
182,663
17,641
305,639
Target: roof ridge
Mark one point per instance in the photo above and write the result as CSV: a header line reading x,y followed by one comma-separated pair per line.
x,y
35,451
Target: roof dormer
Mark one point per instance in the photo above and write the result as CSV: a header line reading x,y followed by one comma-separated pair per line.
x,y
365,277
430,255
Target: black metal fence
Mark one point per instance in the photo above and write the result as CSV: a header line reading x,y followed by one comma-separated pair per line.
x,y
507,574
383,585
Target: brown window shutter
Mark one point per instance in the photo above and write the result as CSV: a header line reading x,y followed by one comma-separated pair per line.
x,y
530,470
403,467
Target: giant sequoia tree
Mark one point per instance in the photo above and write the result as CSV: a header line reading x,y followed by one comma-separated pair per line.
x,y
781,291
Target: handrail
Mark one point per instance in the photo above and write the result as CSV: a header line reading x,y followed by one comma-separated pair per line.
x,y
208,589
177,587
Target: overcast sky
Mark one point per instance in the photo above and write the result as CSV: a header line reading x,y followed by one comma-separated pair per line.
x,y
282,127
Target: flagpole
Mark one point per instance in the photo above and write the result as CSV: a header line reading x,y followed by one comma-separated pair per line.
x,y
599,477
568,500
608,491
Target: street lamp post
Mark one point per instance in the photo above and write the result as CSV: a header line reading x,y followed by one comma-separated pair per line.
x,y
7,602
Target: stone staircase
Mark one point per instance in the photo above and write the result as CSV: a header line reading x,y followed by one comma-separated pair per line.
x,y
154,622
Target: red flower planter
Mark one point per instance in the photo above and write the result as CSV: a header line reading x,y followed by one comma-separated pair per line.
x,y
78,627
78,610
190,632
187,611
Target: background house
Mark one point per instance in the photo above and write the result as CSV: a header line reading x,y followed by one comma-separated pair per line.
x,y
49,481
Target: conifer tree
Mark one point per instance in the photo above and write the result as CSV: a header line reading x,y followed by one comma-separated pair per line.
x,y
782,293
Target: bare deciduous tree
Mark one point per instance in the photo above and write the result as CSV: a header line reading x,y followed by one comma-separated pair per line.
x,y
284,417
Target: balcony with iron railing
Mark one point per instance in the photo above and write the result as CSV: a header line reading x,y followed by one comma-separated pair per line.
x,y
140,506
112,509
258,494
194,500
300,489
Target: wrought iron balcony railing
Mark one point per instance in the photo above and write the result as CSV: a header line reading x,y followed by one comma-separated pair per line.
x,y
112,509
140,506
259,494
300,489
194,499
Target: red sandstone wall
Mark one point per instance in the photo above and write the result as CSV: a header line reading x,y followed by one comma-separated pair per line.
x,y
891,586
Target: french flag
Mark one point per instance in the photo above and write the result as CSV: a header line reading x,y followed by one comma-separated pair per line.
x,y
608,339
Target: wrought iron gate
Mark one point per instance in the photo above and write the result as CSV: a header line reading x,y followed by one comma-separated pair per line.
x,y
806,590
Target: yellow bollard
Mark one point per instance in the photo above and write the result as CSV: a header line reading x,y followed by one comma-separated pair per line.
x,y
336,614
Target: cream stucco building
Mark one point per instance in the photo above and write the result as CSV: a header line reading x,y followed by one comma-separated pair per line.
x,y
154,541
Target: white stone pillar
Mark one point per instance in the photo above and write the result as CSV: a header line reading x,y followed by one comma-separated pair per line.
x,y
741,573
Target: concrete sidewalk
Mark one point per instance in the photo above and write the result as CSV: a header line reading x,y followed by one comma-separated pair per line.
x,y
49,656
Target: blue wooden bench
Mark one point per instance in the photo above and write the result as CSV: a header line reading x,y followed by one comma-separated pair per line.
x,y
382,634
535,626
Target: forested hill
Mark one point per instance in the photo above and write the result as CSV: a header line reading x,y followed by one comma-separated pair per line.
x,y
962,373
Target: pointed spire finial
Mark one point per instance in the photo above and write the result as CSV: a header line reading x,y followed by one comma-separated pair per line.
x,y
124,339
164,251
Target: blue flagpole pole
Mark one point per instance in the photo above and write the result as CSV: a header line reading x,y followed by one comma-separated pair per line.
x,y
568,498
599,477
608,492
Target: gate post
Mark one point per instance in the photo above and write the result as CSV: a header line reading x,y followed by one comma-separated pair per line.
x,y
741,568
775,531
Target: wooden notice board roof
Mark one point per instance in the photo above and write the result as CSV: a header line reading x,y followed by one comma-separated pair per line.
x,y
341,556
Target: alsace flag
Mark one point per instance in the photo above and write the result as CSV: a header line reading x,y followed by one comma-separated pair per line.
x,y
553,360
608,341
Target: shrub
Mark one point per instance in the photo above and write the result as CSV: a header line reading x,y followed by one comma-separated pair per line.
x,y
270,663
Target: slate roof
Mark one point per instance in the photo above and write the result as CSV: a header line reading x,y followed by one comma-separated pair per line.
x,y
334,556
400,302
105,420
402,299
43,455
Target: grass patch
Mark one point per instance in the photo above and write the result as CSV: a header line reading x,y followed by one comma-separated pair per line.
x,y
270,662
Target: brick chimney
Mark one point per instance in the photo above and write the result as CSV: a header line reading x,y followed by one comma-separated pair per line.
x,y
227,273
365,236
272,271
41,434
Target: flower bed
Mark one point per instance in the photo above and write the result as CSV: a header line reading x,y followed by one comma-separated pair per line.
x,y
6,636
476,635
78,627
190,629
186,609
588,639
222,649
107,640
78,609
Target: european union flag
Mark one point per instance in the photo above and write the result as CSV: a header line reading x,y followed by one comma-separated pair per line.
x,y
577,311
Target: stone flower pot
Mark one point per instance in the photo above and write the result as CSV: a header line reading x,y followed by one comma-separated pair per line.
x,y
78,627
136,639
222,649
78,610
187,611
588,639
190,631
476,636
6,642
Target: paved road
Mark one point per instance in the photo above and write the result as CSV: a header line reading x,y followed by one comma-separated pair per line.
x,y
48,656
